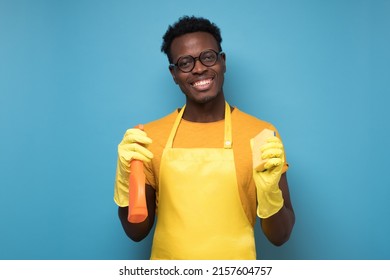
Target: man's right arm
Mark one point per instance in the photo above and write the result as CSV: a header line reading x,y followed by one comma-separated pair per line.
x,y
138,231
133,146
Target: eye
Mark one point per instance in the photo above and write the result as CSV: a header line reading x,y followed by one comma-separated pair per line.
x,y
209,56
184,62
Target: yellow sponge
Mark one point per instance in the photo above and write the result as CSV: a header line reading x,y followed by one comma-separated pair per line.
x,y
256,143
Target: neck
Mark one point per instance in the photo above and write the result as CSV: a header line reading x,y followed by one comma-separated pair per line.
x,y
211,111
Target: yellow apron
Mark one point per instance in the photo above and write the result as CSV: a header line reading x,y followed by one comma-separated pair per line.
x,y
200,215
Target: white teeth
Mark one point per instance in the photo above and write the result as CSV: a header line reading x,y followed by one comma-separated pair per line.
x,y
202,83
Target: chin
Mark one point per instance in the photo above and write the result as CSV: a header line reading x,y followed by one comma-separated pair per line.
x,y
202,98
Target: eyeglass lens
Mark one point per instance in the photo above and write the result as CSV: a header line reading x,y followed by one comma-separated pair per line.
x,y
207,58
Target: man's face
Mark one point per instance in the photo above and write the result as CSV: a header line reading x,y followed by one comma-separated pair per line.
x,y
203,83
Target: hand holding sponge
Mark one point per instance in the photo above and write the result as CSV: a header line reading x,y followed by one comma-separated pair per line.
x,y
268,162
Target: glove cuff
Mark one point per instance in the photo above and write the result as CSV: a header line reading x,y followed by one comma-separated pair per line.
x,y
269,203
121,187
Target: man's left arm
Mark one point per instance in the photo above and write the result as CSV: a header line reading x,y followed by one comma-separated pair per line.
x,y
273,198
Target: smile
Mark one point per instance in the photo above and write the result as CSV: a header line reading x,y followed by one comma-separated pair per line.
x,y
202,84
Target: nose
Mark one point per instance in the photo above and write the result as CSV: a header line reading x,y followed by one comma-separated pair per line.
x,y
198,66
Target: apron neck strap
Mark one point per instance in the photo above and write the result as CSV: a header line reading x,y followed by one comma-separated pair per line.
x,y
227,144
228,128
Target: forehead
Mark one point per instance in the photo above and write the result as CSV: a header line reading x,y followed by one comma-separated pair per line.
x,y
193,44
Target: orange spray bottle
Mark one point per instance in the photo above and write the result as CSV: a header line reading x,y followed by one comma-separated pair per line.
x,y
137,199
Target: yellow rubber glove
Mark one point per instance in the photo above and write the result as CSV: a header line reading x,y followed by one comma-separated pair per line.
x,y
133,146
269,196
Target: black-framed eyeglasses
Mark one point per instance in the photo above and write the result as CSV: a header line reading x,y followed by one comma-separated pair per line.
x,y
187,63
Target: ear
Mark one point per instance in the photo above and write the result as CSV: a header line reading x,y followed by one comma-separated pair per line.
x,y
172,70
223,61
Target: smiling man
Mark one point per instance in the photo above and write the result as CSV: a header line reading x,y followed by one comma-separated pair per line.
x,y
199,162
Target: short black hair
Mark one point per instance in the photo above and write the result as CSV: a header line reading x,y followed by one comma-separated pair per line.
x,y
187,24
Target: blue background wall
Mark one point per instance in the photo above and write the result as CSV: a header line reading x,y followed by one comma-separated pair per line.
x,y
74,75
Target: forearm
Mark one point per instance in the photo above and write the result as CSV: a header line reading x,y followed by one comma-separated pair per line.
x,y
135,231
278,227
138,231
